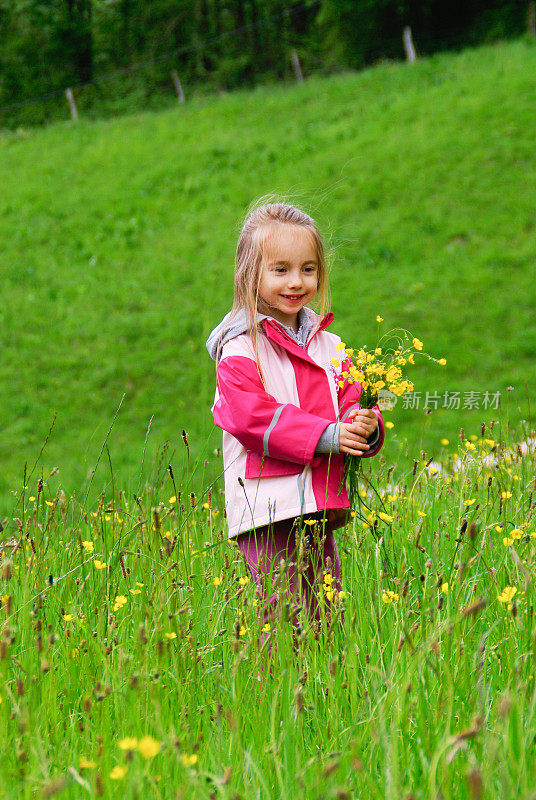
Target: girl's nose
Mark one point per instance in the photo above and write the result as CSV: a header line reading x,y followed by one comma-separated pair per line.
x,y
294,278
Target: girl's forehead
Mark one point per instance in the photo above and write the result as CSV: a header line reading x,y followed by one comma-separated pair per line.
x,y
288,242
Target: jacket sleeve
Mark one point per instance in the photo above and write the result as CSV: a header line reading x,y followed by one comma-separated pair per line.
x,y
258,420
348,400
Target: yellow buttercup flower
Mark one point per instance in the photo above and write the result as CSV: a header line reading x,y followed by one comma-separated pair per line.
x,y
118,772
385,517
389,424
84,763
340,346
389,596
335,362
88,546
445,442
442,361
507,594
445,588
148,747
392,374
417,344
99,564
171,635
189,761
217,581
119,602
379,319
128,743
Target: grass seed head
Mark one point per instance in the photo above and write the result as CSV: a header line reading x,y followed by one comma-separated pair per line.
x,y
474,782
474,608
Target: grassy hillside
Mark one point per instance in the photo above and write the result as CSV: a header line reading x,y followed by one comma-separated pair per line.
x,y
118,241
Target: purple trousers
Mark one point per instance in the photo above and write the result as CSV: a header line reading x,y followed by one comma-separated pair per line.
x,y
311,566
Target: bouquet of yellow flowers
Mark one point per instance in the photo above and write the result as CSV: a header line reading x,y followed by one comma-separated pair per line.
x,y
381,375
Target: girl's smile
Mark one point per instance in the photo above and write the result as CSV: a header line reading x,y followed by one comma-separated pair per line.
x,y
289,274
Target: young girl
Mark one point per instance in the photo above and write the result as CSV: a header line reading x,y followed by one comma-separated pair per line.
x,y
287,413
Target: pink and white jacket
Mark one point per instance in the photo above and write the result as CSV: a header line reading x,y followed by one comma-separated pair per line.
x,y
270,434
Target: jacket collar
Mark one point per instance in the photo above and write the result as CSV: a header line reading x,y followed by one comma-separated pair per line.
x,y
275,332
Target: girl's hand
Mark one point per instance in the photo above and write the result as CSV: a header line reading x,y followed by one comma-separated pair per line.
x,y
367,419
353,435
351,439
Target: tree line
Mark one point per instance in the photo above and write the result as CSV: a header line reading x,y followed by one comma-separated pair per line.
x,y
223,44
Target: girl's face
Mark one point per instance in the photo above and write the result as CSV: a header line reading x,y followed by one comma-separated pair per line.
x,y
289,273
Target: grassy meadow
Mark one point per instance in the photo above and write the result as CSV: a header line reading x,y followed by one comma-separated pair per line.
x,y
133,660
118,240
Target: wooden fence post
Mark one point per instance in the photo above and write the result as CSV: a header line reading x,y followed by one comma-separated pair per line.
x,y
296,65
72,105
531,18
411,55
177,84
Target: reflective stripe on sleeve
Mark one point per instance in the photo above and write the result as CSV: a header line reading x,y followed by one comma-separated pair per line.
x,y
270,428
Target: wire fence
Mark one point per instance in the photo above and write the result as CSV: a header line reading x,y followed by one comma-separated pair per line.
x,y
155,83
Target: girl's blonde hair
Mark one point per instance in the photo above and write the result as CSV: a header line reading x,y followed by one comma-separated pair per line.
x,y
260,224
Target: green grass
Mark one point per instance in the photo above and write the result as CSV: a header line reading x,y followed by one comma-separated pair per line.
x,y
118,240
116,261
425,689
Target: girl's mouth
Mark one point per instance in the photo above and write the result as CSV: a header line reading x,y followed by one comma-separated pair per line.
x,y
293,298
